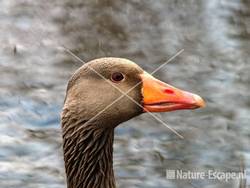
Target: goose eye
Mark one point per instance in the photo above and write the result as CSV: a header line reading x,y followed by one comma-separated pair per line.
x,y
117,77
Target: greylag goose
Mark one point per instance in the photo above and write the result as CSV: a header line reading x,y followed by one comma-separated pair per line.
x,y
88,120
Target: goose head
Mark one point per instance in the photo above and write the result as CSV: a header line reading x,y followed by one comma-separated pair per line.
x,y
121,90
100,95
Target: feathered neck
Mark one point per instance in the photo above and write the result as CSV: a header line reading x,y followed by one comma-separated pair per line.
x,y
88,153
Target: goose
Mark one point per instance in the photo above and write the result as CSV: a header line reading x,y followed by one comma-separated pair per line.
x,y
100,95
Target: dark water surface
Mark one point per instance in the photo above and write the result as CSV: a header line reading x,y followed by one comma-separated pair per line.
x,y
215,64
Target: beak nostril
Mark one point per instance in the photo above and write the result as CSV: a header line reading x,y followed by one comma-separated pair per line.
x,y
168,91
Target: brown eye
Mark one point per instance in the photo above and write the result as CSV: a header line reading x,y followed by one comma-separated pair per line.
x,y
117,77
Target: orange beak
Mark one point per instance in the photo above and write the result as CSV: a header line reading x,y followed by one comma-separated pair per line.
x,y
161,97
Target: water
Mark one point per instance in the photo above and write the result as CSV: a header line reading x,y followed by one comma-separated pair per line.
x,y
34,69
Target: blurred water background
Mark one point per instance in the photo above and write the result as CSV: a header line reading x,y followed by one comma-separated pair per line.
x,y
34,70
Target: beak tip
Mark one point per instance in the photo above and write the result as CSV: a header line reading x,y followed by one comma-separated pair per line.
x,y
199,101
